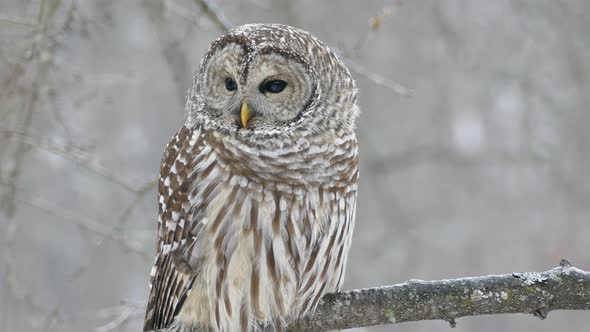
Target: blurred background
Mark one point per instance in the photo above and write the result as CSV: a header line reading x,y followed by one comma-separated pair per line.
x,y
474,135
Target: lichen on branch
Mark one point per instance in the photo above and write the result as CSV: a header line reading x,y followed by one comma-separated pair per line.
x,y
562,288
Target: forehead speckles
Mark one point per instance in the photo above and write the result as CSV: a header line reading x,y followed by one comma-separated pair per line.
x,y
258,38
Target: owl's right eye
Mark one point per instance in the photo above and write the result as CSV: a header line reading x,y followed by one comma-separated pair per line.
x,y
230,84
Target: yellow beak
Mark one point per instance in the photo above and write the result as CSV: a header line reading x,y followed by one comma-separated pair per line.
x,y
245,113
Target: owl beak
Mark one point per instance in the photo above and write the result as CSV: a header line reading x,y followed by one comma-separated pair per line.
x,y
245,113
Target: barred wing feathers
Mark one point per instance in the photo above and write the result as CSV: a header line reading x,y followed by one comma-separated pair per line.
x,y
171,277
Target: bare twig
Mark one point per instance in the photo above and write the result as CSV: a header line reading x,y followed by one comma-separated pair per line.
x,y
378,79
414,156
215,13
76,154
376,21
8,198
170,46
17,20
562,288
39,47
88,223
116,234
122,314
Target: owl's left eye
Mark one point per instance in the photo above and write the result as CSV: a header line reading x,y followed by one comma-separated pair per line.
x,y
274,86
230,84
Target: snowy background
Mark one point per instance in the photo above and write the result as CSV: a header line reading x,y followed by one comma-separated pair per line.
x,y
474,137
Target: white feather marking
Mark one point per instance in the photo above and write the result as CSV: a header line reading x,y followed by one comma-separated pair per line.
x,y
340,141
271,153
194,138
153,272
282,203
167,181
255,187
315,149
298,191
284,187
175,216
171,226
165,248
215,172
243,181
221,163
268,195
186,206
210,159
205,150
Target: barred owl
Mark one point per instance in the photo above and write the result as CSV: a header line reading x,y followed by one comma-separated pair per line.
x,y
257,191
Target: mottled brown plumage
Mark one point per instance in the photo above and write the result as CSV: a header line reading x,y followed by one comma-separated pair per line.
x,y
257,190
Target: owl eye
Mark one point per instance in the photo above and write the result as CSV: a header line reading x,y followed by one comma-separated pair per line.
x,y
274,86
230,84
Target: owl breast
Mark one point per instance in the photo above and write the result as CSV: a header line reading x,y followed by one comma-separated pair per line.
x,y
270,227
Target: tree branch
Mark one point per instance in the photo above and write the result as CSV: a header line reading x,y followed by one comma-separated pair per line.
x,y
562,288
211,9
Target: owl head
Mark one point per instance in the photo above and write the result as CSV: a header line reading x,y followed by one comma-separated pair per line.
x,y
271,79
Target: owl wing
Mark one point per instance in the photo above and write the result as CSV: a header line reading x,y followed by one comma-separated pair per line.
x,y
172,277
